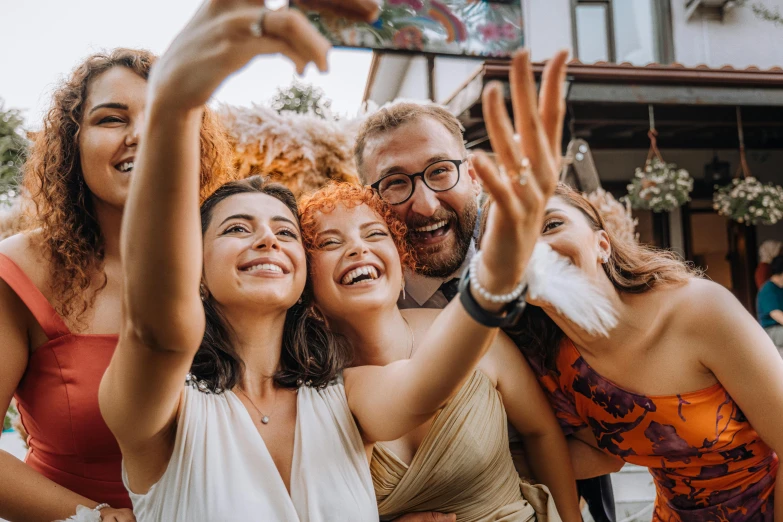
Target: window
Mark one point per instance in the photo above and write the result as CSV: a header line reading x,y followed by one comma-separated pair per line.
x,y
635,31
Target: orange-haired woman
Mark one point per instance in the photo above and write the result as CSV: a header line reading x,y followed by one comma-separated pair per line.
x,y
456,460
60,288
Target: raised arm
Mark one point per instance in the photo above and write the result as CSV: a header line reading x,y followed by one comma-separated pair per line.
x,y
161,238
529,412
456,341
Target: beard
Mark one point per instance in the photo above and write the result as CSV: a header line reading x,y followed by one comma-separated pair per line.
x,y
442,260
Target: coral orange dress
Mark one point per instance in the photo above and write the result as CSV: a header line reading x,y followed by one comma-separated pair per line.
x,y
58,402
707,461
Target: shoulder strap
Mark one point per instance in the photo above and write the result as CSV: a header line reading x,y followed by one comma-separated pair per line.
x,y
51,322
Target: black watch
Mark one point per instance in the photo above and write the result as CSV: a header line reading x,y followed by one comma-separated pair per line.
x,y
508,316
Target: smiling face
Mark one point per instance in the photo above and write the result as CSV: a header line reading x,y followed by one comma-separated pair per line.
x,y
109,133
253,254
354,262
569,232
440,224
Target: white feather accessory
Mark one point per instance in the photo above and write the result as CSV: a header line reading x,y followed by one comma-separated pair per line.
x,y
552,278
84,514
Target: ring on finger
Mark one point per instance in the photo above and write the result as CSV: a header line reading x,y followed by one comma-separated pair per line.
x,y
257,27
524,171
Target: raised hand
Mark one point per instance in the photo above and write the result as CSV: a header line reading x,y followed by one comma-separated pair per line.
x,y
362,10
221,38
528,167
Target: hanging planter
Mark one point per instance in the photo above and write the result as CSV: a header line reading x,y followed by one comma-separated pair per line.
x,y
659,186
747,200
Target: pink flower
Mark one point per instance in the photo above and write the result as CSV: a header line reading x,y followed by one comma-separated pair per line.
x,y
508,32
409,37
490,32
414,4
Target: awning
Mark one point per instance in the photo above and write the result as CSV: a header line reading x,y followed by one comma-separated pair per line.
x,y
694,106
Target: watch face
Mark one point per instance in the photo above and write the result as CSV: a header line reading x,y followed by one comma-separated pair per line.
x,y
479,28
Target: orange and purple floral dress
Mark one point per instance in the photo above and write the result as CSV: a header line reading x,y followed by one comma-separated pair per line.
x,y
707,461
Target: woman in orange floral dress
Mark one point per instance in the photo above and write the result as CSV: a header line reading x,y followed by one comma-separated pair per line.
x,y
687,385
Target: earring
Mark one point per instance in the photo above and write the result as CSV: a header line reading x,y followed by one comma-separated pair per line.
x,y
403,288
604,257
203,292
299,301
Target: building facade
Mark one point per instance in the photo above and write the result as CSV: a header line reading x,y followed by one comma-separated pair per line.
x,y
697,64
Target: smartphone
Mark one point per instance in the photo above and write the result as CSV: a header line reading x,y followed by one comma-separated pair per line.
x,y
481,28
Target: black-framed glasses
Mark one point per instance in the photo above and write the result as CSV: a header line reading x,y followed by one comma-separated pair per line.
x,y
440,176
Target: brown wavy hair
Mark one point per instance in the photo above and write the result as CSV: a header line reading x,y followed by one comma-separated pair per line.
x,y
632,268
71,235
311,353
326,199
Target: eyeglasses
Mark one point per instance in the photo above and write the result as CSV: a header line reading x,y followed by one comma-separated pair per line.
x,y
440,176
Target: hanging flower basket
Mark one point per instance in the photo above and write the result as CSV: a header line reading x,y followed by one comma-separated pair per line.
x,y
659,186
747,200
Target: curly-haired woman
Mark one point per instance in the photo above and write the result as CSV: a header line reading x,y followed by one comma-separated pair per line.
x,y
60,287
687,385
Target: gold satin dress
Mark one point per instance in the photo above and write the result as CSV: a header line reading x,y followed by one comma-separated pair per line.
x,y
463,466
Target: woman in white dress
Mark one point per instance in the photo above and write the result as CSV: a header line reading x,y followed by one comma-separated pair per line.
x,y
268,430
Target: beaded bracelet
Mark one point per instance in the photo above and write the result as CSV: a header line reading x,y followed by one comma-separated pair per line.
x,y
476,287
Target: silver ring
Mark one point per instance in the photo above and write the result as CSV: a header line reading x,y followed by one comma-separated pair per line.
x,y
525,170
257,27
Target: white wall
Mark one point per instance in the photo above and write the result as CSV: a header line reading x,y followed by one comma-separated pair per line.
x,y
739,40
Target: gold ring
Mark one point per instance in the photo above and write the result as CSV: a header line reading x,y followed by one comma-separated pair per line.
x,y
257,27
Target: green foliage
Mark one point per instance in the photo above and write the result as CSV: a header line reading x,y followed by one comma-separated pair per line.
x,y
13,152
763,12
302,98
10,416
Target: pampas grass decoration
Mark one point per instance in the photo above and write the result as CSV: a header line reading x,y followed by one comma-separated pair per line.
x,y
301,151
618,217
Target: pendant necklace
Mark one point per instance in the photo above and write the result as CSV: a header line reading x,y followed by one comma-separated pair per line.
x,y
264,418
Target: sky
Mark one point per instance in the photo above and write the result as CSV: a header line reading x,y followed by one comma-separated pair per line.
x,y
42,41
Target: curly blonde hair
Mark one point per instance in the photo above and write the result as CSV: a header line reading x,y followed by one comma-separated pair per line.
x,y
71,235
349,195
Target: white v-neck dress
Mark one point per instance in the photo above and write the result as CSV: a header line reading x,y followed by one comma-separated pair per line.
x,y
221,470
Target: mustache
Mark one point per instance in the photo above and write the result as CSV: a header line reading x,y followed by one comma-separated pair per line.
x,y
440,215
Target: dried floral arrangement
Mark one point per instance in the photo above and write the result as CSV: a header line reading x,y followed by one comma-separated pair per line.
x,y
616,214
301,151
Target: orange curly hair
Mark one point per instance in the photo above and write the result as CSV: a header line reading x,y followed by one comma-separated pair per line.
x,y
350,195
71,235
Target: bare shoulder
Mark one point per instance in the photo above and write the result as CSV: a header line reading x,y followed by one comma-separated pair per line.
x,y
26,250
700,298
710,320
